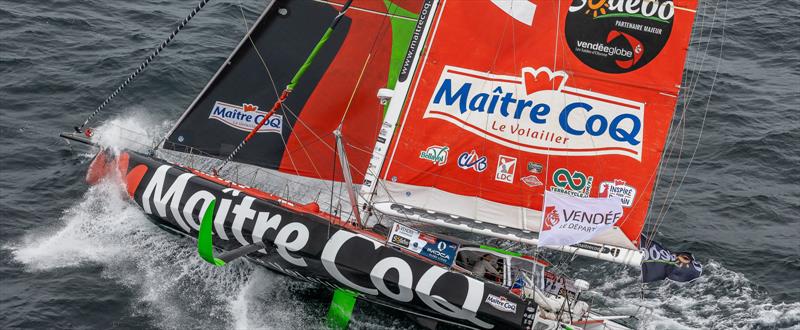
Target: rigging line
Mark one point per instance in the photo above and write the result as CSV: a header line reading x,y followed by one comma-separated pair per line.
x,y
547,158
694,71
261,58
377,12
144,64
300,141
355,89
293,83
672,135
708,103
682,131
664,207
302,122
275,89
696,77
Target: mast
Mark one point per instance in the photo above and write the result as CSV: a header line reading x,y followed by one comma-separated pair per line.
x,y
398,98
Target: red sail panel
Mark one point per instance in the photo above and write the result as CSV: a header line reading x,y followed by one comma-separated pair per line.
x,y
367,48
527,96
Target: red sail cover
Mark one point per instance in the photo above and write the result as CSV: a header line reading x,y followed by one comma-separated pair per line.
x,y
517,97
375,44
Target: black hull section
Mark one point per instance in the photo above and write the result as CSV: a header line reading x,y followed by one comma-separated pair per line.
x,y
306,244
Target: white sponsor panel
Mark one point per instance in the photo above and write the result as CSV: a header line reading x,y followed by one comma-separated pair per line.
x,y
521,10
245,117
569,220
537,112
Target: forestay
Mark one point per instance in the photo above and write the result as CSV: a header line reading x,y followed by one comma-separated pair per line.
x,y
513,98
298,139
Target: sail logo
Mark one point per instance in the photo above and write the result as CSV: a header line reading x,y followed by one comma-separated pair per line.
x,y
245,117
575,183
618,188
506,166
647,9
535,167
618,36
471,160
629,57
435,154
537,112
531,181
550,218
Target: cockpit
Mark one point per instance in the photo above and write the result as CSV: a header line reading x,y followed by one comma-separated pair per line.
x,y
504,268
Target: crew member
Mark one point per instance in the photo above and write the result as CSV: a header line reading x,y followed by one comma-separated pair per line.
x,y
484,268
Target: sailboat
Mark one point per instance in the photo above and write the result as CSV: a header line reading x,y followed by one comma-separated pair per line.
x,y
412,119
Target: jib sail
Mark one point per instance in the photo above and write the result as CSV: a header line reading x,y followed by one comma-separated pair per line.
x,y
527,96
298,139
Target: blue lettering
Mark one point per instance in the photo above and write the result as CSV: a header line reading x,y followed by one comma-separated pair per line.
x,y
521,106
562,118
449,98
493,102
478,102
597,125
590,125
622,136
539,111
219,111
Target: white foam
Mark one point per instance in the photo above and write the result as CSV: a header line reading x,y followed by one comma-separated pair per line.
x,y
137,130
720,299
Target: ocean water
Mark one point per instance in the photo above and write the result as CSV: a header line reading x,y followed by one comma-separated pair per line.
x,y
73,256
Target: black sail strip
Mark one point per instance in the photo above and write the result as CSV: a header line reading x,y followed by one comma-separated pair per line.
x,y
234,101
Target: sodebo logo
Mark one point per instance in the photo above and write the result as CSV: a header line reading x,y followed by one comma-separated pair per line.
x,y
649,9
537,112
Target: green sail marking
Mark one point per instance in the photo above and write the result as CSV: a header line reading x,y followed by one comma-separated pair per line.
x,y
499,250
205,247
310,59
341,308
402,31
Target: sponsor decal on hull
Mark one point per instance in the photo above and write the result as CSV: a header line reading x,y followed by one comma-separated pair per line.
x,y
501,303
423,244
309,248
245,117
537,112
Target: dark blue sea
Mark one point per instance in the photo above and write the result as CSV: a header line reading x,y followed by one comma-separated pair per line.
x,y
74,257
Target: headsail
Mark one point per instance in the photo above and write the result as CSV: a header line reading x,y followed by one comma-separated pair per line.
x,y
299,139
568,96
